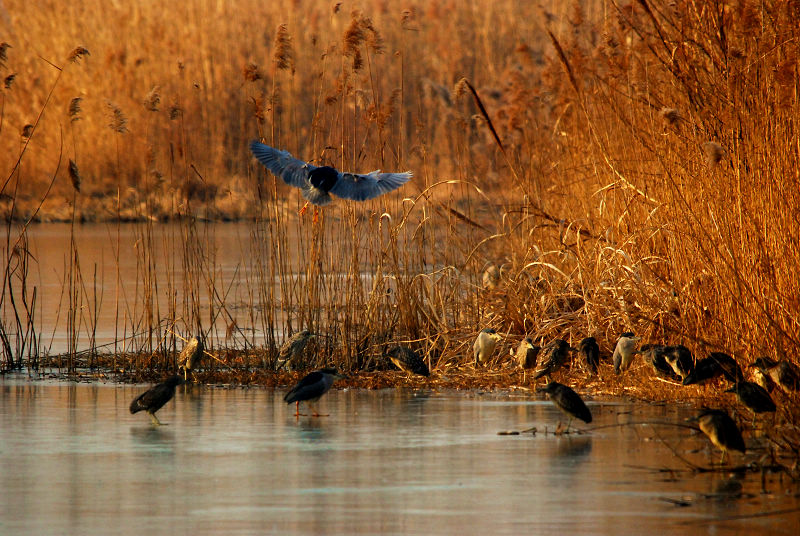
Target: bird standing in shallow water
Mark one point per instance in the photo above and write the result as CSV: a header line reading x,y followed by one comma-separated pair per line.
x,y
154,398
590,351
317,183
721,430
408,360
624,351
554,356
291,350
567,401
311,388
526,356
484,345
191,355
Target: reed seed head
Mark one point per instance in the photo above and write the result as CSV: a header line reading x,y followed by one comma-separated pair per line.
x,y
118,122
74,175
77,54
27,131
75,109
670,115
4,53
713,152
8,80
251,73
152,100
284,55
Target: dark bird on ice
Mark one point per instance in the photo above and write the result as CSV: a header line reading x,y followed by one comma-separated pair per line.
x,y
190,356
408,360
680,359
317,183
753,396
590,351
554,355
484,345
154,398
527,353
625,351
782,372
291,350
567,401
721,430
716,364
311,388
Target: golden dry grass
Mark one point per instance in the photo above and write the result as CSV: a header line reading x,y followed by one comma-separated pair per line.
x,y
627,166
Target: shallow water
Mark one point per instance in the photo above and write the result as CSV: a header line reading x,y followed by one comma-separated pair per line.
x,y
236,461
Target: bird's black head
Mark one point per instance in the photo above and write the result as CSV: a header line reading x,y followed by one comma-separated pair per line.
x,y
174,381
324,178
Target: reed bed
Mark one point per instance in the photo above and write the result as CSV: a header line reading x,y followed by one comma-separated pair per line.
x,y
623,166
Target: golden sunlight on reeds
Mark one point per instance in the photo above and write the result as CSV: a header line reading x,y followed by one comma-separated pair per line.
x,y
623,165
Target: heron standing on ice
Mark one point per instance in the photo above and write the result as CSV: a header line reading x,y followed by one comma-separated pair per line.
x,y
311,388
154,398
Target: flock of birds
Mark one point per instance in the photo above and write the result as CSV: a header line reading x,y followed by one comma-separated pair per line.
x,y
671,362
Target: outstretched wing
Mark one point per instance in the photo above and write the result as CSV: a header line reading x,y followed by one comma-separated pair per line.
x,y
294,172
369,186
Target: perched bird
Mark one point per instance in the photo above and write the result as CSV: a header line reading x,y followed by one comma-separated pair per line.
x,y
554,355
154,398
491,277
680,359
526,356
317,183
311,388
190,356
408,360
624,351
291,350
484,345
567,401
753,396
716,364
656,356
763,379
590,351
721,430
783,373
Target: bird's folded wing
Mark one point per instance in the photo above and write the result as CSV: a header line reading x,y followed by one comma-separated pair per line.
x,y
369,186
282,164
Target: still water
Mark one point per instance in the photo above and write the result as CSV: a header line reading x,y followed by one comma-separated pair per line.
x,y
236,461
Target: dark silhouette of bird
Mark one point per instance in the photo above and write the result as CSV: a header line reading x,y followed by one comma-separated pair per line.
x,y
527,353
680,359
567,401
721,430
716,364
292,349
484,345
783,373
154,398
311,388
317,183
190,356
625,351
656,356
753,396
408,360
590,351
554,355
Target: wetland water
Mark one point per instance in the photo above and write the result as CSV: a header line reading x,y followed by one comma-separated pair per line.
x,y
236,461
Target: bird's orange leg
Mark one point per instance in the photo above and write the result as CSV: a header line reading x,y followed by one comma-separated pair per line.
x,y
316,215
303,210
297,409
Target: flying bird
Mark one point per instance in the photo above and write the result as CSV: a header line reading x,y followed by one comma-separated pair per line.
x,y
154,398
311,388
317,183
